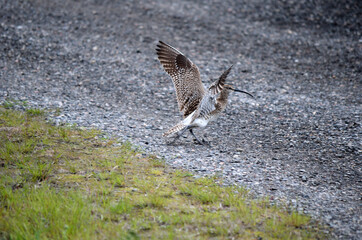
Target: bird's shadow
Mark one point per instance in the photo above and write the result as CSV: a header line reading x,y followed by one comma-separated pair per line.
x,y
182,142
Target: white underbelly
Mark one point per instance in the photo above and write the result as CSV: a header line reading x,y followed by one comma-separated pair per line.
x,y
200,122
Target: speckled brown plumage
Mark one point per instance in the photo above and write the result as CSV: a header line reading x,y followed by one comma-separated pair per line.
x,y
198,104
185,76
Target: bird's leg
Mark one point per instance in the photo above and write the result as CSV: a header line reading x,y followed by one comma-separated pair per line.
x,y
179,134
197,139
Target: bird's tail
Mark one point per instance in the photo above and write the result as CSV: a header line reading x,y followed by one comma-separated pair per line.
x,y
178,127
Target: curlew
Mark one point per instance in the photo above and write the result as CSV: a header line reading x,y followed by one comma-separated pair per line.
x,y
198,104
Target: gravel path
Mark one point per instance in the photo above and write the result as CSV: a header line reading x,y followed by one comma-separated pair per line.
x,y
298,141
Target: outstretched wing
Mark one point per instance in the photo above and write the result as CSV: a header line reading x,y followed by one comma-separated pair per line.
x,y
185,76
218,85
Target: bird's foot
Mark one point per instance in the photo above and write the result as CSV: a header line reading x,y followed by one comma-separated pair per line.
x,y
205,142
201,142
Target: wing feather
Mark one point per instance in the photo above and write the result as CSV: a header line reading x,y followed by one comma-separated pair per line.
x,y
185,76
217,86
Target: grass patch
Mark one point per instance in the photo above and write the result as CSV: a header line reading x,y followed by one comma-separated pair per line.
x,y
67,183
11,103
43,212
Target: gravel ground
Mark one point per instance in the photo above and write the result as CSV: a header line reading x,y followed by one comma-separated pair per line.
x,y
298,141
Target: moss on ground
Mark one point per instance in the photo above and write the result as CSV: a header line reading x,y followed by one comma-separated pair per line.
x,y
66,183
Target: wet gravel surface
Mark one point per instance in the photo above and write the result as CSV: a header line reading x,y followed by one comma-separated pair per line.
x,y
298,140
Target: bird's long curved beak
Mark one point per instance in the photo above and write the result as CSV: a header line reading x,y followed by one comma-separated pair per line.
x,y
241,91
237,90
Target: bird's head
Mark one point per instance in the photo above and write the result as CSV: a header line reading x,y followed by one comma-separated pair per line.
x,y
220,85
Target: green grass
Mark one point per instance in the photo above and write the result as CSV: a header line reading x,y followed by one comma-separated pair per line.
x,y
11,103
67,183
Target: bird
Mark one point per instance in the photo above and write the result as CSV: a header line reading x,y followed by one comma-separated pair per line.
x,y
198,104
